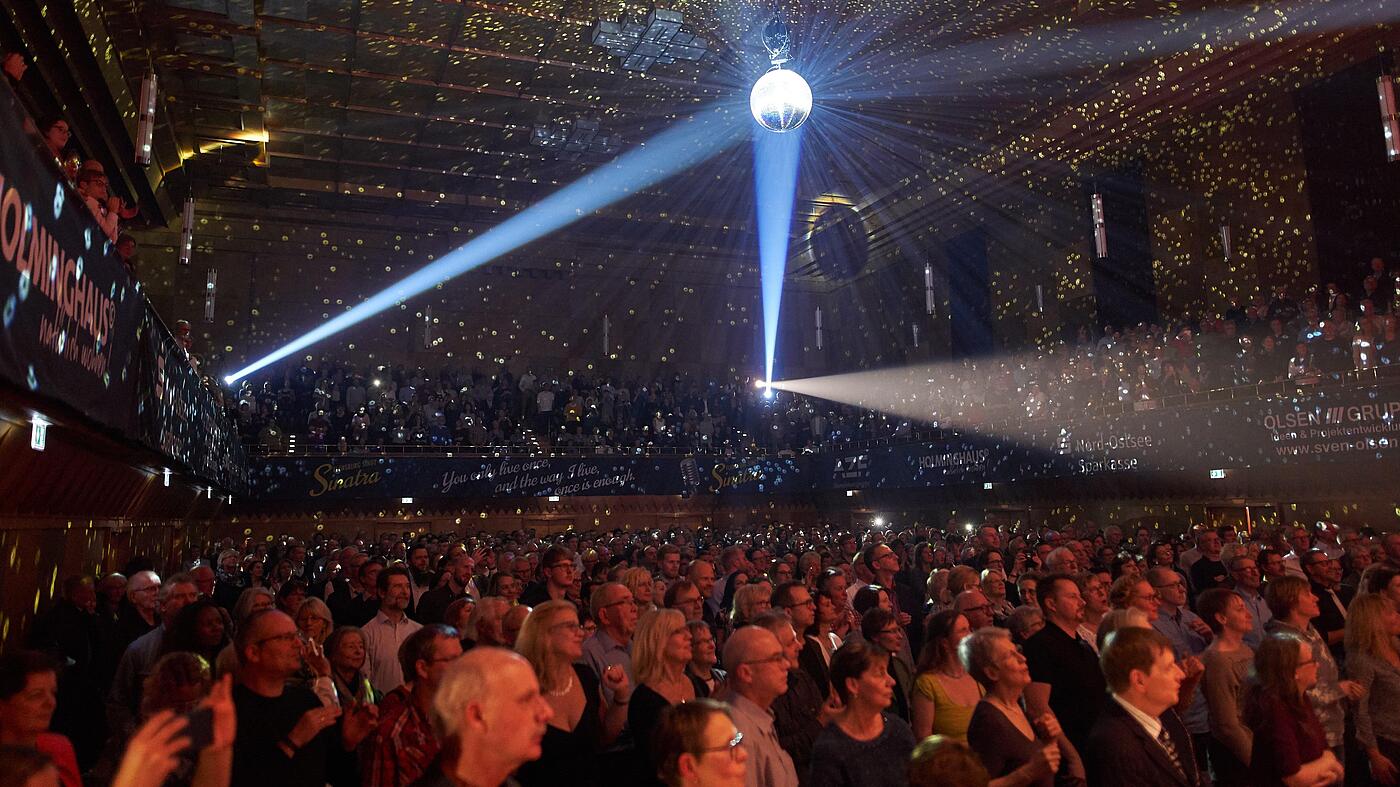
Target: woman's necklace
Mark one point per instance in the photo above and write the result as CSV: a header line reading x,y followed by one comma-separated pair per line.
x,y
568,687
956,673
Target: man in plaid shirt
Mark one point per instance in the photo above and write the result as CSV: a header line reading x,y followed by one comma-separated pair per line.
x,y
403,744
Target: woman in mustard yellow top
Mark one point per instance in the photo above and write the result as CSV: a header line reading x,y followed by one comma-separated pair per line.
x,y
944,694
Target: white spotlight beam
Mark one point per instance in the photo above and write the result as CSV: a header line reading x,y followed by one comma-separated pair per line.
x,y
686,144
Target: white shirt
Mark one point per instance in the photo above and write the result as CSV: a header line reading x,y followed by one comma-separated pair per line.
x,y
1151,724
382,640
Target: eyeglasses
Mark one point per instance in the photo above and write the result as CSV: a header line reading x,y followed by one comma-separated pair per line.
x,y
287,637
570,626
732,747
808,603
1176,584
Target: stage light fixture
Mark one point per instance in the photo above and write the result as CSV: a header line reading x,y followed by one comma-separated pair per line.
x,y
165,473
819,327
38,432
187,232
573,139
780,100
915,326
930,302
1225,244
1100,226
1390,116
659,37
1039,299
211,288
146,122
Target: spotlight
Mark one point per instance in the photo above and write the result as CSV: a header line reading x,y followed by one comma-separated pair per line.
x,y
38,433
1390,116
187,232
146,123
1225,243
1100,226
879,521
768,393
930,303
572,139
780,100
166,474
211,288
659,37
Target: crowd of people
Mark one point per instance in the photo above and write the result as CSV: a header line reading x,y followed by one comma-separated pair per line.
x,y
1315,338
776,656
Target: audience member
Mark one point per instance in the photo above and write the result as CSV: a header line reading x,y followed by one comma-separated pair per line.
x,y
1227,663
756,664
388,630
583,724
1290,744
1014,749
1064,666
611,645
490,717
697,744
1374,663
945,693
1138,738
402,745
28,696
661,649
862,745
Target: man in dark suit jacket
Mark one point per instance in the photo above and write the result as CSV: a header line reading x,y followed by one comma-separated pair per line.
x,y
1063,663
1325,577
1138,740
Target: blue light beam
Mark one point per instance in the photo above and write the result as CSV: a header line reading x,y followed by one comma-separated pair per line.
x,y
688,143
775,159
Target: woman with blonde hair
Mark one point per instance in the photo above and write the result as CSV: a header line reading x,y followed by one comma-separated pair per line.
x,y
1373,661
638,580
584,724
314,621
661,649
750,601
486,626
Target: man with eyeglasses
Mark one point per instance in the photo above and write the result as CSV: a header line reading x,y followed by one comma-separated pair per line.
x,y
796,600
1325,577
613,607
758,674
974,605
140,613
1189,636
1244,571
558,563
884,565
139,659
682,595
403,744
285,735
800,713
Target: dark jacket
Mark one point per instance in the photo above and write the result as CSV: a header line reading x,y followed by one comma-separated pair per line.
x,y
1121,754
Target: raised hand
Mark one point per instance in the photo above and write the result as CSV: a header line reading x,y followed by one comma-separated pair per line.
x,y
153,752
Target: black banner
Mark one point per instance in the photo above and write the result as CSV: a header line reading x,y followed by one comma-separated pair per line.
x,y
1359,425
75,328
68,310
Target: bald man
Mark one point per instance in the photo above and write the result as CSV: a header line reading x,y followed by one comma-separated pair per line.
x,y
488,708
758,673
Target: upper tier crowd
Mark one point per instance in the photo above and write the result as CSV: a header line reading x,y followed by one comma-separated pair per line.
x,y
1314,338
777,656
